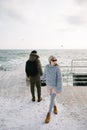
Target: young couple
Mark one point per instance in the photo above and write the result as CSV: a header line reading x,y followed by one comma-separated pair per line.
x,y
52,75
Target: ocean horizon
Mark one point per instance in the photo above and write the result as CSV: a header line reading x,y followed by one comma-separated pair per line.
x,y
12,58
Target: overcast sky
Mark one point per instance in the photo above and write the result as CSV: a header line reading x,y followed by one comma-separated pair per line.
x,y
41,24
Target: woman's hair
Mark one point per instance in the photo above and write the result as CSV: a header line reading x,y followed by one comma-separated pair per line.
x,y
52,58
56,64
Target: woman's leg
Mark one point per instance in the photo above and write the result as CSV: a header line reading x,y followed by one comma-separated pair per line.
x,y
52,101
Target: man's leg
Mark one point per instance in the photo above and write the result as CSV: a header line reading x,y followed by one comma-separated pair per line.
x,y
32,88
38,85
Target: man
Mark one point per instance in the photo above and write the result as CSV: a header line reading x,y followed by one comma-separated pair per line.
x,y
34,71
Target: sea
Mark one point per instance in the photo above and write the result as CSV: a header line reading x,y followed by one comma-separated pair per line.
x,y
11,59
67,59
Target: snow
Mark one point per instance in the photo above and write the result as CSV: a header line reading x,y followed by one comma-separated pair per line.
x,y
18,112
28,115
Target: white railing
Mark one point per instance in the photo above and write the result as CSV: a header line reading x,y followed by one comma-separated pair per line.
x,y
66,75
78,66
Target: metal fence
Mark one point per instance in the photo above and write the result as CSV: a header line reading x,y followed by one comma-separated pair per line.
x,y
78,66
76,74
79,72
66,75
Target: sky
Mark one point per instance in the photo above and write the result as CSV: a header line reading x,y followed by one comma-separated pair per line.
x,y
43,24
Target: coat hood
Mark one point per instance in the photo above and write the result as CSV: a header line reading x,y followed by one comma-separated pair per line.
x,y
33,57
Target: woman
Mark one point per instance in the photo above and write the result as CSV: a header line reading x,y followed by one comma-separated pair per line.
x,y
52,75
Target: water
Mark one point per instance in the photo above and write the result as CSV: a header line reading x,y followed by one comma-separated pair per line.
x,y
11,59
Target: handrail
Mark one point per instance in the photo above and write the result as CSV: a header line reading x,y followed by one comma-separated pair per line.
x,y
67,72
79,59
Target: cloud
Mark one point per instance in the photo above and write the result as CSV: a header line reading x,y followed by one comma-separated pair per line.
x,y
78,15
76,20
7,11
11,14
81,2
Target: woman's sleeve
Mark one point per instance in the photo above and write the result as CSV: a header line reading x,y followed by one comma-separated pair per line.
x,y
59,80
